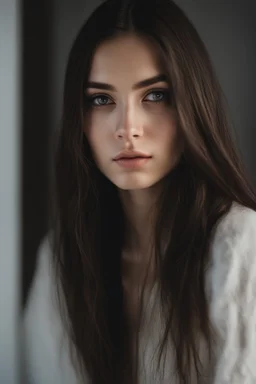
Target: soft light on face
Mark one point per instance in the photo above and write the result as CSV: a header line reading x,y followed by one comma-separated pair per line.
x,y
123,113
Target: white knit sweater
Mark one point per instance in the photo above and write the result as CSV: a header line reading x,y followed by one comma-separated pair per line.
x,y
231,286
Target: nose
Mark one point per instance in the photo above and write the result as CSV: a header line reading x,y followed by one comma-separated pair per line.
x,y
130,125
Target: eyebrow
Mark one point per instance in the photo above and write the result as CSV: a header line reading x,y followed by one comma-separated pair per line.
x,y
140,84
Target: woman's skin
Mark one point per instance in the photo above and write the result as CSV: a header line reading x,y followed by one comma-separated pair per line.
x,y
127,117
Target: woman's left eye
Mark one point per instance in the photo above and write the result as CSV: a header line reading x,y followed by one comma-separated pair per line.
x,y
156,96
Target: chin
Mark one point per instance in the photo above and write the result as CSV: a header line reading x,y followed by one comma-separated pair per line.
x,y
131,187
134,185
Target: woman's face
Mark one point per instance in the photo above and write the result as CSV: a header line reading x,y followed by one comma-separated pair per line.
x,y
126,113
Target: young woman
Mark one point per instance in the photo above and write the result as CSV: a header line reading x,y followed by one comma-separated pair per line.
x,y
152,250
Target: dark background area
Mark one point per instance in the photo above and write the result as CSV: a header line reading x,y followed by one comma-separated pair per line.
x,y
37,18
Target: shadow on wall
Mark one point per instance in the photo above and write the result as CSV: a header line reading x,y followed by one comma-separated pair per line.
x,y
36,122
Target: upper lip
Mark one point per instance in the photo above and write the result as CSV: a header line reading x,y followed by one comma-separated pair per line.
x,y
130,155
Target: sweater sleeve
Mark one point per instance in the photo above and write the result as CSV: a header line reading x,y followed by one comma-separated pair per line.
x,y
233,303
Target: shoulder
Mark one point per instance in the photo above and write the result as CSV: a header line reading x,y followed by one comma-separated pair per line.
x,y
46,354
233,252
239,221
41,295
233,295
234,243
42,298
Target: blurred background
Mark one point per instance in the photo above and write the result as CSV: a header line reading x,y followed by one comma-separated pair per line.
x,y
35,38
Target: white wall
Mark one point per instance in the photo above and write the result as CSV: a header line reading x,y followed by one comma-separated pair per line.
x,y
9,189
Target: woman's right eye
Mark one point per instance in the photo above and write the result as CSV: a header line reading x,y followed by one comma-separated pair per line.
x,y
98,100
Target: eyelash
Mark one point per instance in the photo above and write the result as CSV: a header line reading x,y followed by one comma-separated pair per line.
x,y
90,99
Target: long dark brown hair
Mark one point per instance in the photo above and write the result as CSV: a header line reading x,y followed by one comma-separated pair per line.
x,y
88,221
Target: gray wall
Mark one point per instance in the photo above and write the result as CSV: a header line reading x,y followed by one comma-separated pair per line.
x,y
227,28
9,189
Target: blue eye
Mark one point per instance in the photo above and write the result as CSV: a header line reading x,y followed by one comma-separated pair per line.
x,y
98,100
158,96
101,100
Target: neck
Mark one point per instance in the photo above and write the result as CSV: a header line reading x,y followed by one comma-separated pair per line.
x,y
140,208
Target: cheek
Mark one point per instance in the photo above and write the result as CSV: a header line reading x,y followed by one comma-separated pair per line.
x,y
170,137
96,136
166,128
94,131
98,127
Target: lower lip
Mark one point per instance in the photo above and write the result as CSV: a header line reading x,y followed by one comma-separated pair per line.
x,y
133,162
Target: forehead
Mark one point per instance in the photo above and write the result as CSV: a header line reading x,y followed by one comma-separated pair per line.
x,y
126,55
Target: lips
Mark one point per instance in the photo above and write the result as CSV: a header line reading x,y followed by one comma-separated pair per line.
x,y
133,162
132,157
126,155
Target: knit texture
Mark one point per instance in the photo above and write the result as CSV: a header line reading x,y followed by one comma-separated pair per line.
x,y
233,306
